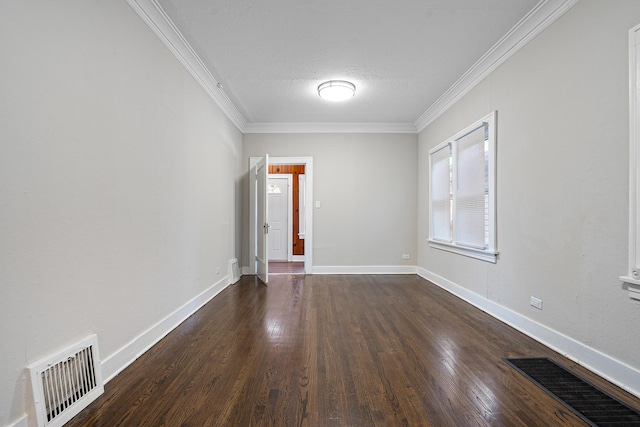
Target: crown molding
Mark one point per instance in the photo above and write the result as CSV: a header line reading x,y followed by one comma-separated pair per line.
x,y
155,17
543,15
330,128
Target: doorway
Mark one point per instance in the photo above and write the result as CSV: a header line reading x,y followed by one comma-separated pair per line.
x,y
296,206
307,218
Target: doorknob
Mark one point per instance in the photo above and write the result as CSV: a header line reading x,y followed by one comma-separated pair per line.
x,y
266,227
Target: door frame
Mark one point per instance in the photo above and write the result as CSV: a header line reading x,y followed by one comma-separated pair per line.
x,y
308,241
289,178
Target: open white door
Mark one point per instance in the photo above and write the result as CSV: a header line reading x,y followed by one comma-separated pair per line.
x,y
262,224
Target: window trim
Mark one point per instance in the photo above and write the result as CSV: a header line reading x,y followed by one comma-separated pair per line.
x,y
632,277
490,254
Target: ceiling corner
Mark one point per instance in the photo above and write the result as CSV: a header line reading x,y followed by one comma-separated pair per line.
x,y
330,128
543,15
157,20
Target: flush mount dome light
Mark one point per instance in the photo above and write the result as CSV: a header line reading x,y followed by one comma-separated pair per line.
x,y
336,90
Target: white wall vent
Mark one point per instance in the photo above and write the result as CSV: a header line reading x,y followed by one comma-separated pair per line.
x,y
65,383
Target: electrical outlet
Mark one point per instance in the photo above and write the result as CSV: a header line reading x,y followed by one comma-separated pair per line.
x,y
406,256
536,302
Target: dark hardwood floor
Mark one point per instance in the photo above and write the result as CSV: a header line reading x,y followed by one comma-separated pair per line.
x,y
334,351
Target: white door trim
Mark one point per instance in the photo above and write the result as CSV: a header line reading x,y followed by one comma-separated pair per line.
x,y
308,241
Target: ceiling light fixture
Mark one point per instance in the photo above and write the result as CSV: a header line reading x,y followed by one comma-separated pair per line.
x,y
336,90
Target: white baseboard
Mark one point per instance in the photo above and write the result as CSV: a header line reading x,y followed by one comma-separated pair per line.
x,y
355,269
366,269
20,422
297,258
116,362
615,371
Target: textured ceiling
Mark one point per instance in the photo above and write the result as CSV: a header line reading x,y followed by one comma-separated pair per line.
x,y
402,55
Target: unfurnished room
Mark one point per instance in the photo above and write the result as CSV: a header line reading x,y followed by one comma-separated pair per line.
x,y
320,213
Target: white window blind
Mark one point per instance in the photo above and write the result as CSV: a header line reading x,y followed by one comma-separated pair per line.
x,y
471,189
441,193
462,192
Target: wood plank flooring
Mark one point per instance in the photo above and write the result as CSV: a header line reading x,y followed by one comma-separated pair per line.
x,y
320,350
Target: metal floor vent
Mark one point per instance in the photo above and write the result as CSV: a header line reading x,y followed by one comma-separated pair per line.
x,y
65,383
587,401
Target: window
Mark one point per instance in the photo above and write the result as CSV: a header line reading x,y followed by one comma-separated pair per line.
x,y
462,192
632,278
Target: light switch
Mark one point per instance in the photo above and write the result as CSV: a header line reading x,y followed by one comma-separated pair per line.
x,y
317,204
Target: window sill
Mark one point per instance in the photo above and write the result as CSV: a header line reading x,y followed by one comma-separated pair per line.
x,y
634,286
469,252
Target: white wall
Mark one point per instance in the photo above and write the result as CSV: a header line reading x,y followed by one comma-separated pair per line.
x,y
117,184
367,187
562,186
